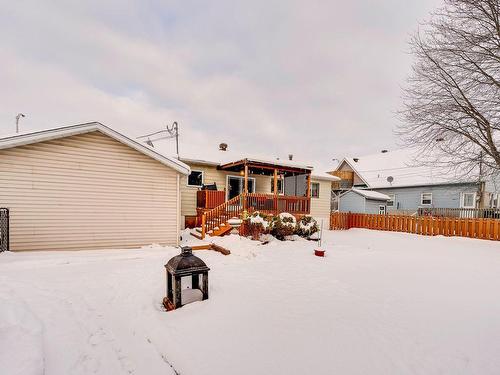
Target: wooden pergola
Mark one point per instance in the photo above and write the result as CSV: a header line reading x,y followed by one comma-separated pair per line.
x,y
267,168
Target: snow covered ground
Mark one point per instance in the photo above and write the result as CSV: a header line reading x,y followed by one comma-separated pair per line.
x,y
379,303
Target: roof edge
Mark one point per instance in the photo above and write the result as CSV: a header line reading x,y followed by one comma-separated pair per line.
x,y
70,130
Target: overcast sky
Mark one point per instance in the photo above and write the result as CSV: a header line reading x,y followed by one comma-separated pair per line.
x,y
316,79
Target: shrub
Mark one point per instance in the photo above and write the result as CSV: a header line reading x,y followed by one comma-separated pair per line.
x,y
306,226
283,225
258,224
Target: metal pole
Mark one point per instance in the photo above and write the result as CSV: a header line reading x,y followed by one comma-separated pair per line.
x,y
177,138
19,115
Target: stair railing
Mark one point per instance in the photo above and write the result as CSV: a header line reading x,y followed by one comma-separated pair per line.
x,y
221,214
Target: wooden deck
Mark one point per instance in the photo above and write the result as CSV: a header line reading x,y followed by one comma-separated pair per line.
x,y
214,221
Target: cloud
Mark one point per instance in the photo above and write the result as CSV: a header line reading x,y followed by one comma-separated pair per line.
x,y
317,79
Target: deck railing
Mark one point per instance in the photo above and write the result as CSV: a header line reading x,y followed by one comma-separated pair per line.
x,y
346,180
488,229
275,204
208,199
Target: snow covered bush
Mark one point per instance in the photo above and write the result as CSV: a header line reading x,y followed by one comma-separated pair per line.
x,y
306,226
258,224
283,225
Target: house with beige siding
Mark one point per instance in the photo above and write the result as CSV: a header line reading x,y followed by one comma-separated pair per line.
x,y
299,190
88,186
224,184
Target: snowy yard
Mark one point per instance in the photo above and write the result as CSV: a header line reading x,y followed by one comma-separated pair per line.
x,y
379,303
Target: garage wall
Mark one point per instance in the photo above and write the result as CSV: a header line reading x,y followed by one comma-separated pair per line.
x,y
87,191
352,202
321,206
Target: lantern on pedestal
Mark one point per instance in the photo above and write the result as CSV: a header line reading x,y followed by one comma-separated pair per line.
x,y
185,265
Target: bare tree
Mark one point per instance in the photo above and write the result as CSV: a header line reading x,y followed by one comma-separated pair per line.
x,y
452,99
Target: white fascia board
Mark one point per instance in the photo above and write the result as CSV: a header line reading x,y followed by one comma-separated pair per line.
x,y
67,131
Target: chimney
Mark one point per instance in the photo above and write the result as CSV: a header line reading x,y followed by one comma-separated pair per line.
x,y
223,147
384,151
290,156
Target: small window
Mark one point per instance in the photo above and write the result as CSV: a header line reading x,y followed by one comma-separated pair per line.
x,y
392,199
315,189
426,199
280,186
195,178
381,210
469,200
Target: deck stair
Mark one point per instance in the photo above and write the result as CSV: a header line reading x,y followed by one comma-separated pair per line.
x,y
215,221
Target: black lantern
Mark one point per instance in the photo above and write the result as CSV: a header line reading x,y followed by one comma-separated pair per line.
x,y
185,265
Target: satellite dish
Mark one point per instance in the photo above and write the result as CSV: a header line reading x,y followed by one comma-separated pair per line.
x,y
390,179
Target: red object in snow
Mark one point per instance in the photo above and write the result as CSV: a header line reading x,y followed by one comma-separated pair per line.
x,y
319,252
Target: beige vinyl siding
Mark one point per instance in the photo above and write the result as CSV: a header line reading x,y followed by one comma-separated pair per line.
x,y
320,207
262,184
87,191
188,193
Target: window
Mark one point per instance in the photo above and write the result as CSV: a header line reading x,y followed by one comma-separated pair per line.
x,y
280,186
469,200
315,189
381,210
195,178
426,199
392,199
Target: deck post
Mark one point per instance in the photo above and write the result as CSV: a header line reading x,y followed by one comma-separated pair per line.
x,y
308,193
203,220
245,188
275,185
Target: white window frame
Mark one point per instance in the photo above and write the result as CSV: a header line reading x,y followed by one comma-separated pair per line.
x,y
422,199
242,178
319,187
202,179
382,210
392,199
280,191
473,200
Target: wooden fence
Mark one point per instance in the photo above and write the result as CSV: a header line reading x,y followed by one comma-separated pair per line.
x,y
462,213
488,229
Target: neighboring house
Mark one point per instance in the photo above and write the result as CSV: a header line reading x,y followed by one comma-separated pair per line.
x,y
412,187
88,186
363,201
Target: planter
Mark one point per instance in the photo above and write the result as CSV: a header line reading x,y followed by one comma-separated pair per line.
x,y
319,252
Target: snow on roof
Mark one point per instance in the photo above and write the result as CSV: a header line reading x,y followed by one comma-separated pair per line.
x,y
371,194
402,166
324,176
211,155
67,131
